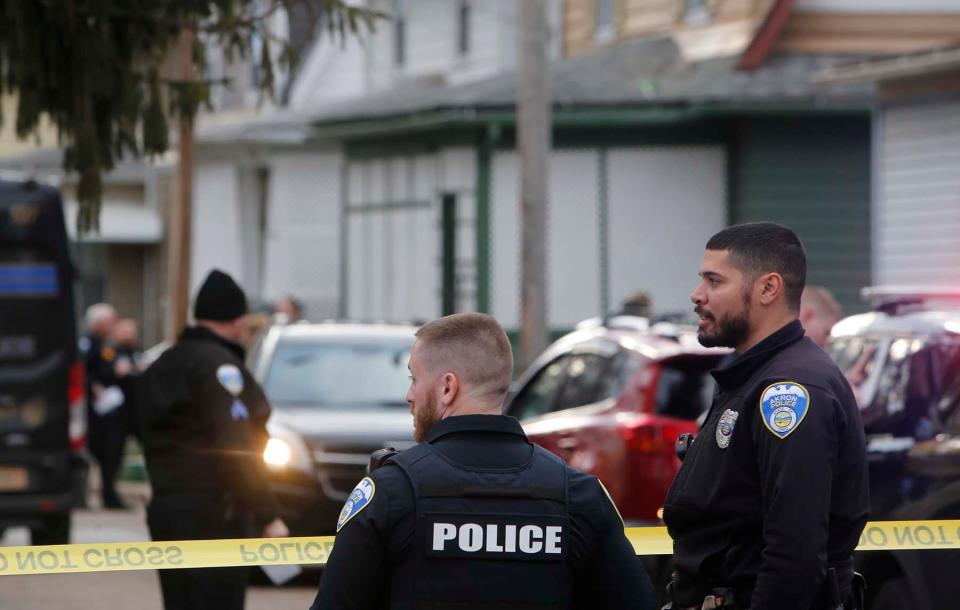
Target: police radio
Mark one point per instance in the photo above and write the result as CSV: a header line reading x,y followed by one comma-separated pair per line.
x,y
683,444
379,457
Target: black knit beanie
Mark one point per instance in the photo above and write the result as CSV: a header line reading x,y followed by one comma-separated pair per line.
x,y
219,298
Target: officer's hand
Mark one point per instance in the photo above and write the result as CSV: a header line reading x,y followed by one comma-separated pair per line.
x,y
276,529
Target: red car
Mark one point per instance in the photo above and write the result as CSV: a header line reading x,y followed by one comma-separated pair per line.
x,y
611,399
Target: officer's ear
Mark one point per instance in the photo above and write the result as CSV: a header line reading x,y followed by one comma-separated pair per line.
x,y
770,286
449,388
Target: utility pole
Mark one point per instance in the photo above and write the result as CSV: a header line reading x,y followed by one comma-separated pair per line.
x,y
181,217
533,143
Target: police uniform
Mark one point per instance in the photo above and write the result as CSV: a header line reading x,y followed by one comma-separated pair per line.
x,y
477,517
107,430
772,495
202,419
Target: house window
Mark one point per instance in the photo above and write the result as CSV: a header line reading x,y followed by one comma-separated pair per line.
x,y
697,12
463,28
603,20
399,33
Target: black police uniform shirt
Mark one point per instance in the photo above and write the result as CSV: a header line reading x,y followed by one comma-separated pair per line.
x,y
773,491
374,547
203,418
99,360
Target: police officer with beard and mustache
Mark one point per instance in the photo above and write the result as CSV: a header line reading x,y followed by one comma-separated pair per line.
x,y
475,516
771,498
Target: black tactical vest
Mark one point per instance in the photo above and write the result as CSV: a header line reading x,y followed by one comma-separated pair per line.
x,y
486,539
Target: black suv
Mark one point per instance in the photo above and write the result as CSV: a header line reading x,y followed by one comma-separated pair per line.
x,y
42,412
903,362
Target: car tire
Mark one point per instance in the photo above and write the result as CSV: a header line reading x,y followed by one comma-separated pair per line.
x,y
894,594
55,530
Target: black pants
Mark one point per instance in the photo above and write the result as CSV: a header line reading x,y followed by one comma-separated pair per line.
x,y
107,438
199,517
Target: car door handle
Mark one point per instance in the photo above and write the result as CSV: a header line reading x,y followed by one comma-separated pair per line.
x,y
568,442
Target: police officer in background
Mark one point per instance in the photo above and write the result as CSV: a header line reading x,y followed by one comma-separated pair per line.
x,y
475,516
202,419
771,498
106,416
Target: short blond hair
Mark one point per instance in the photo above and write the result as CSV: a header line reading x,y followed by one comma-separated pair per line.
x,y
473,346
821,300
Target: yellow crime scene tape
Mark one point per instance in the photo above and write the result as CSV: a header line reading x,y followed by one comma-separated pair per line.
x,y
121,556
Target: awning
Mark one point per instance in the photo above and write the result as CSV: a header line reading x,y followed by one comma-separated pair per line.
x,y
120,223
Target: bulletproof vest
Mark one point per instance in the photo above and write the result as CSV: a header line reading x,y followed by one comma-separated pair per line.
x,y
486,539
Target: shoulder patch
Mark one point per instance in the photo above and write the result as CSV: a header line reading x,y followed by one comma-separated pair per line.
x,y
231,379
359,499
783,405
107,353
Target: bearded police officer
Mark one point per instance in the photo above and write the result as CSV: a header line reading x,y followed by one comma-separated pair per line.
x,y
475,516
203,421
771,498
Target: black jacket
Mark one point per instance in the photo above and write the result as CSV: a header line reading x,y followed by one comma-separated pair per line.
x,y
774,489
202,419
375,544
98,360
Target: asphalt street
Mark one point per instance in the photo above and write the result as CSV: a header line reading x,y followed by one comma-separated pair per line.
x,y
114,590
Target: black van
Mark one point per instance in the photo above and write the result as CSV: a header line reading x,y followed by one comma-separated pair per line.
x,y
42,410
903,362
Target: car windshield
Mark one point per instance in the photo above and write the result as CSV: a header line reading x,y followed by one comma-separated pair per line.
x,y
900,383
339,374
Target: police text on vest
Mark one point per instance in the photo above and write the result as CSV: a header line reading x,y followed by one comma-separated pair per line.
x,y
495,538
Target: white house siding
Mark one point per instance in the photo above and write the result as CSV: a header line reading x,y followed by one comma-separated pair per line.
x,y
431,41
394,238
217,235
333,70
301,250
573,253
664,205
917,203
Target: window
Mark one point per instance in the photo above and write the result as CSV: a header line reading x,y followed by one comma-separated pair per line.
x,y
538,397
697,12
685,388
603,20
339,374
399,33
582,385
572,380
463,28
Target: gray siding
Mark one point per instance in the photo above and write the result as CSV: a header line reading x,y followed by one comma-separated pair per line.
x,y
918,195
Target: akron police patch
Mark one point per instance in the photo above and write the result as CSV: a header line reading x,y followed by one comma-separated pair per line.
x,y
359,499
230,378
783,406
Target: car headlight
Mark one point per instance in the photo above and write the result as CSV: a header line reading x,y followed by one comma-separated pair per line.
x,y
286,450
277,453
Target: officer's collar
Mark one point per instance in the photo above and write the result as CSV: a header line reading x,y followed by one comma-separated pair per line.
x,y
502,424
748,362
199,333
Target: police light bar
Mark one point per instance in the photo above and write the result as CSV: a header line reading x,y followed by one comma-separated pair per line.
x,y
893,298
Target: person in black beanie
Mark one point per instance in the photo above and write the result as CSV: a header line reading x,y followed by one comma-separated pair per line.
x,y
202,420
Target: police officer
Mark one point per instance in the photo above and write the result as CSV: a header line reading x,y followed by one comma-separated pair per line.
x,y
202,418
475,516
106,415
771,498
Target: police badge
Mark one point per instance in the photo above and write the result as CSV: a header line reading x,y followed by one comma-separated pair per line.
x,y
725,428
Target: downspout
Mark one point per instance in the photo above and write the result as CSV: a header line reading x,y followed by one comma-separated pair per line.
x,y
485,147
